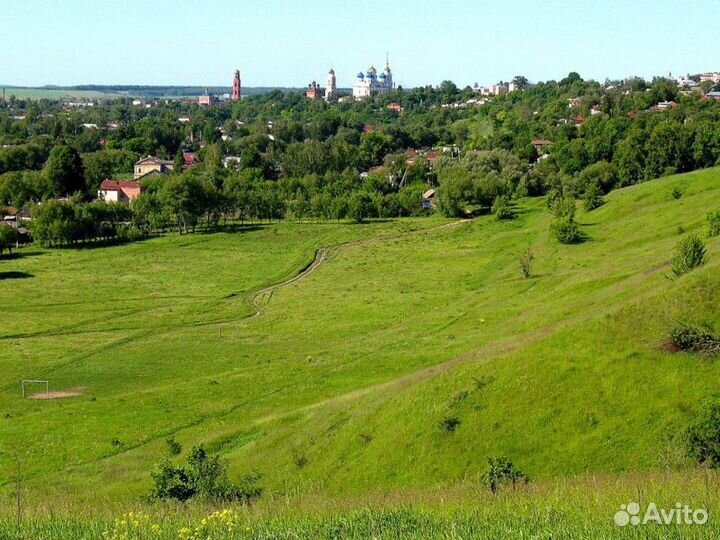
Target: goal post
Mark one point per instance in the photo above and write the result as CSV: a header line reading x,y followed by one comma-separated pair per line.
x,y
27,382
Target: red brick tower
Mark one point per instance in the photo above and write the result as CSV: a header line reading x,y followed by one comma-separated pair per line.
x,y
237,88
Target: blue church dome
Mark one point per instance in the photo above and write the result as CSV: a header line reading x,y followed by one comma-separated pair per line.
x,y
370,75
383,76
360,75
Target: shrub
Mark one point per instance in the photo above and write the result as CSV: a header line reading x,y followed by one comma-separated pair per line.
x,y
502,208
689,253
713,223
703,436
501,471
450,423
694,339
202,476
174,447
593,197
565,230
676,193
526,260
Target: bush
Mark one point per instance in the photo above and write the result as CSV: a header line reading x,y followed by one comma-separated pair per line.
x,y
502,208
703,436
203,476
450,423
502,471
565,230
676,193
713,223
174,447
526,260
689,253
593,198
694,339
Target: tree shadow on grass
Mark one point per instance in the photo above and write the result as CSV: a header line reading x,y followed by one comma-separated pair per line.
x,y
15,275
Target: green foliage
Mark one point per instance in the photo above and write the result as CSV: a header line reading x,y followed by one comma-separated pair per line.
x,y
174,447
713,223
502,471
450,423
690,253
676,193
502,208
703,436
526,260
203,476
593,197
694,339
563,227
565,230
360,207
65,172
8,238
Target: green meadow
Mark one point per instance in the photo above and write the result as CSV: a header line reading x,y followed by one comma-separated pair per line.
x,y
327,357
57,93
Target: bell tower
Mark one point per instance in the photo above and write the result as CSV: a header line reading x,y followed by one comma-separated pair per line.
x,y
237,87
331,87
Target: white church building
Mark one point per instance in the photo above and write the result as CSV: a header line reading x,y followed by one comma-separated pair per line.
x,y
370,83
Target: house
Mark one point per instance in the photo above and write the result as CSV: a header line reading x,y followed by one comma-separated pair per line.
x,y
428,201
149,164
395,107
541,144
714,95
190,159
713,77
664,105
120,190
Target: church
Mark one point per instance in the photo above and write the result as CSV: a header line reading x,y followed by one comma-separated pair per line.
x,y
370,83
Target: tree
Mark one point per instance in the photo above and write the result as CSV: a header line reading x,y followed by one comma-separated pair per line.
x,y
526,260
593,197
521,82
65,171
204,476
8,238
501,471
360,206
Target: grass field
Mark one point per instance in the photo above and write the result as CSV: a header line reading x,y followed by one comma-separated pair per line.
x,y
51,93
333,386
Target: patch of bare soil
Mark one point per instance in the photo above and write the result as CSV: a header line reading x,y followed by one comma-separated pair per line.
x,y
58,394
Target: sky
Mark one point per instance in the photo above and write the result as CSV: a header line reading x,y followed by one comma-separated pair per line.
x,y
292,42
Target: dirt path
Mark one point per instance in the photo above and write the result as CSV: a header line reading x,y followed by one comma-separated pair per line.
x,y
263,296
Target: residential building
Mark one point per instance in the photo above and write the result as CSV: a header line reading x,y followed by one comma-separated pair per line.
x,y
151,164
120,191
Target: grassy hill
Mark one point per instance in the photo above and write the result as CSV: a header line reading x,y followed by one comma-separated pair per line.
x,y
337,384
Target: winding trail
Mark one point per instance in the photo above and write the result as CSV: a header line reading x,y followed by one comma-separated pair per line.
x,y
260,298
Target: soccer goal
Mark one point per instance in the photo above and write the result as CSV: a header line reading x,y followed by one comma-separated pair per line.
x,y
29,382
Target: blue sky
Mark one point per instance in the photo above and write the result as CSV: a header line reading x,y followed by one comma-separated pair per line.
x,y
289,43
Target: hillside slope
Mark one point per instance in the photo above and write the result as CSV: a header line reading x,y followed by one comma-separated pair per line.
x,y
340,383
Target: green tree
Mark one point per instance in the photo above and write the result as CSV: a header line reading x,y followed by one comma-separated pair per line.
x,y
64,169
8,238
360,206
